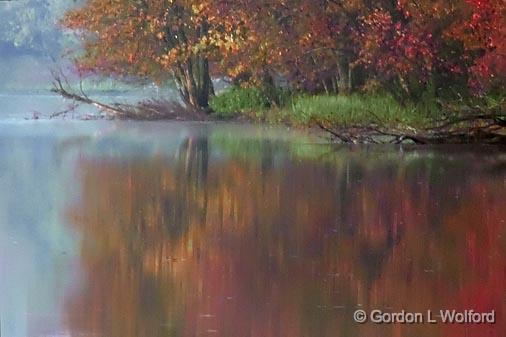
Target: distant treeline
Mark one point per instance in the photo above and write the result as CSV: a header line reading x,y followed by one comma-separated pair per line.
x,y
31,27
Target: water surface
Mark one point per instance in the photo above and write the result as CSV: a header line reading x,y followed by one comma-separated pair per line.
x,y
123,229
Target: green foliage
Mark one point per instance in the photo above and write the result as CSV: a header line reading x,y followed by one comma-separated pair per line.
x,y
358,109
239,100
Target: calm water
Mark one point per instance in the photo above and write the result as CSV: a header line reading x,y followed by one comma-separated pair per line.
x,y
147,230
41,104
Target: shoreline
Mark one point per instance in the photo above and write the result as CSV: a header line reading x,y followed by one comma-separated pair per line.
x,y
466,125
354,135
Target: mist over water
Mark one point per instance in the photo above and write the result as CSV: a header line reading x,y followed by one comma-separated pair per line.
x,y
156,229
32,46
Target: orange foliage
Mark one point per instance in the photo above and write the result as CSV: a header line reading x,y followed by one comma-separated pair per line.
x,y
314,45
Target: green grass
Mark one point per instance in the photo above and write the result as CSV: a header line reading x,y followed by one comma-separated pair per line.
x,y
252,102
239,101
357,109
331,110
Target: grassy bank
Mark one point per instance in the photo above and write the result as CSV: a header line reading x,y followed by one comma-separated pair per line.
x,y
371,118
331,110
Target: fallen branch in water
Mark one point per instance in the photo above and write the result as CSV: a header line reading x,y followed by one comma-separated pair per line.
x,y
70,109
367,134
145,110
65,92
475,127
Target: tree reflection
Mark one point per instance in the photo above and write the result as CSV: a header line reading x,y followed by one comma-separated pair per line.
x,y
203,243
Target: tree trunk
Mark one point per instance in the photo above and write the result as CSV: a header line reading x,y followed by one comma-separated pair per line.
x,y
269,88
194,82
344,77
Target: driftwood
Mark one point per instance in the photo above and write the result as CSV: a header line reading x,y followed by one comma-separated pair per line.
x,y
145,110
476,126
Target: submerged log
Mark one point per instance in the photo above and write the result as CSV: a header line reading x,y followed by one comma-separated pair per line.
x,y
475,127
373,135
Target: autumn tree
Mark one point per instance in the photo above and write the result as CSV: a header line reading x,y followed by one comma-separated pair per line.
x,y
254,58
408,47
306,42
399,43
155,39
330,46
411,47
482,31
323,52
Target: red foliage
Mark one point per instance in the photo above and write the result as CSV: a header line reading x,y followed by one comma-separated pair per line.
x,y
313,44
483,33
395,48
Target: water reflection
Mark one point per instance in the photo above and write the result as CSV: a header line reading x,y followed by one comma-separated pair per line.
x,y
229,236
37,252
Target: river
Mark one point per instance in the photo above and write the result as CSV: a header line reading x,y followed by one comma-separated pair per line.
x,y
151,229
